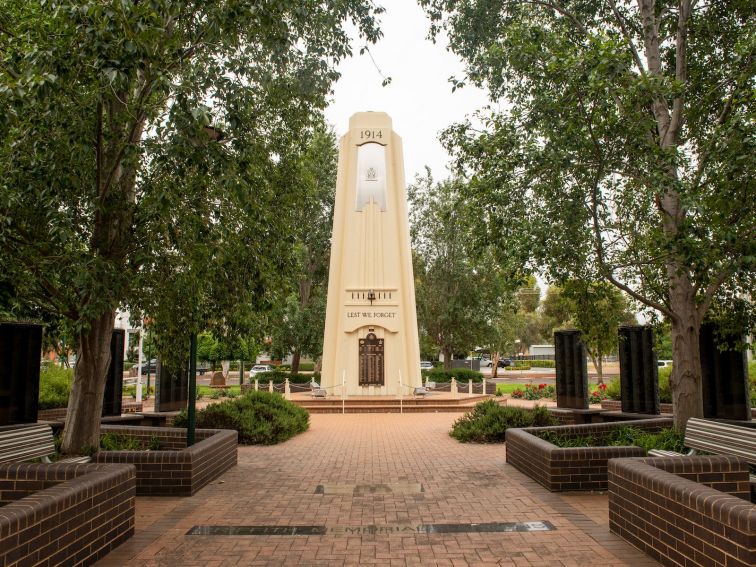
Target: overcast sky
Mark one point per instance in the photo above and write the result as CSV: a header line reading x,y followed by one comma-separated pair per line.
x,y
419,98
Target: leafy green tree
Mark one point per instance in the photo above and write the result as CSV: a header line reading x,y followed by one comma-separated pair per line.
x,y
597,309
458,289
131,128
298,328
625,150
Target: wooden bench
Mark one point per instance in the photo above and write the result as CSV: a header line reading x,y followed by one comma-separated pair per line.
x,y
420,392
24,443
318,393
718,438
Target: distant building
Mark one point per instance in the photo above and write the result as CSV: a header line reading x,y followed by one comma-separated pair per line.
x,y
541,350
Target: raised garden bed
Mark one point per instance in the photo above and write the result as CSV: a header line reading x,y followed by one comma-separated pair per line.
x,y
685,510
174,469
64,514
571,468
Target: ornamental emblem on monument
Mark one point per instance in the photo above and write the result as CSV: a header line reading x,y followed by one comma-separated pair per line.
x,y
370,176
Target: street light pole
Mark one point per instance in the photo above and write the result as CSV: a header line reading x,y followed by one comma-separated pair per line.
x,y
192,409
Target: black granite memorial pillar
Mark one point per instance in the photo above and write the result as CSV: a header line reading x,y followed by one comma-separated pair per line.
x,y
571,370
113,398
639,373
171,386
725,377
20,354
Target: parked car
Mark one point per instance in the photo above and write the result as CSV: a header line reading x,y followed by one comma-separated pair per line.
x,y
425,365
504,362
258,368
663,363
150,367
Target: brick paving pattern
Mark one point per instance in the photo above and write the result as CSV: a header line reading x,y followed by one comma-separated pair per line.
x,y
278,486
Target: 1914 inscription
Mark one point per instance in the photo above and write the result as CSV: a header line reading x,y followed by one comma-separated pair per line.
x,y
371,361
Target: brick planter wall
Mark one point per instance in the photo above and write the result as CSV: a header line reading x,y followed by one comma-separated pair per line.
x,y
175,470
616,405
64,514
59,414
685,511
574,468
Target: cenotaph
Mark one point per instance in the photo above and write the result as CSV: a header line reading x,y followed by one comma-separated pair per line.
x,y
371,340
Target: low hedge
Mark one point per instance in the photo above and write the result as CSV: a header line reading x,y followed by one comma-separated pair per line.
x,y
261,418
279,376
613,389
488,422
303,367
537,363
54,387
461,374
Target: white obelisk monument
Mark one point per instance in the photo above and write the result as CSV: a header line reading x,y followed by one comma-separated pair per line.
x,y
371,340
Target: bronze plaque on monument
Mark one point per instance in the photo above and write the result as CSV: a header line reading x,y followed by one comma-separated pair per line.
x,y
371,361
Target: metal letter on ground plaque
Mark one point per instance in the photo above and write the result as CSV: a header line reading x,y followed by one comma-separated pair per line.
x,y
571,370
371,361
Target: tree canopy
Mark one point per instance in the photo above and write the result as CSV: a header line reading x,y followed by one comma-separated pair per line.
x,y
624,148
146,147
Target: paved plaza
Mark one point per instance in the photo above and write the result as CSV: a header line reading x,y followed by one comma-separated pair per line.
x,y
368,481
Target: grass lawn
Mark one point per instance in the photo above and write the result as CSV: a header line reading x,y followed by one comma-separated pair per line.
x,y
508,388
207,390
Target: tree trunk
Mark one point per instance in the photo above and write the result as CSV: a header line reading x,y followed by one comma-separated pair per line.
x,y
82,429
685,381
495,365
447,357
598,364
295,362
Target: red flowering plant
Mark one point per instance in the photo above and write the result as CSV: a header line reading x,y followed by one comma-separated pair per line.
x,y
538,392
518,393
598,394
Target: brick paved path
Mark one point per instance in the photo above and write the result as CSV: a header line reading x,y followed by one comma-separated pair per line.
x,y
461,483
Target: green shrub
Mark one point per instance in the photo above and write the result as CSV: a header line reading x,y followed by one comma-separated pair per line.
x,y
130,391
667,439
665,395
614,389
535,392
54,387
461,374
517,367
261,418
488,422
539,363
279,377
120,442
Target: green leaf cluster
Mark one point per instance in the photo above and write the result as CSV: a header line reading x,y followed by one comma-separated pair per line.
x,y
488,422
261,418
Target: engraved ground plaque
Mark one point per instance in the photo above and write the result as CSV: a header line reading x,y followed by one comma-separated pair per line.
x,y
371,361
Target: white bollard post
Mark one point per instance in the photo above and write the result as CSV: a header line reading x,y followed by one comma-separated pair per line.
x,y
139,370
270,385
287,390
454,391
257,385
469,387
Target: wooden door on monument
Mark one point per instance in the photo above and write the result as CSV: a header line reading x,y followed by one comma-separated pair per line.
x,y
371,361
